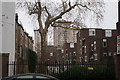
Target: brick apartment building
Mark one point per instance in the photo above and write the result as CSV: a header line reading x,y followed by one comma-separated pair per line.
x,y
70,53
37,43
96,45
92,45
60,37
23,42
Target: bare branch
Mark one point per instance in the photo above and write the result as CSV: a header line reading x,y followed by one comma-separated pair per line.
x,y
69,3
62,13
85,6
56,25
47,11
65,27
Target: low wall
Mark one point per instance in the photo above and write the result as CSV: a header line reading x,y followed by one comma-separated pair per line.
x,y
117,66
4,59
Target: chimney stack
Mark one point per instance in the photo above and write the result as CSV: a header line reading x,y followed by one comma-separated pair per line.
x,y
16,17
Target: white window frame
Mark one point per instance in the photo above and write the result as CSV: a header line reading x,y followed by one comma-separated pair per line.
x,y
104,54
95,45
81,51
110,53
80,59
105,41
85,49
71,45
79,34
91,57
62,50
96,56
51,54
92,32
108,33
80,42
85,58
92,47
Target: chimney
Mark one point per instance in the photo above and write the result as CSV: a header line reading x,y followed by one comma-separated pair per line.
x,y
16,17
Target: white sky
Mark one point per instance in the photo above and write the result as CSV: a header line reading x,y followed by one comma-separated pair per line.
x,y
110,17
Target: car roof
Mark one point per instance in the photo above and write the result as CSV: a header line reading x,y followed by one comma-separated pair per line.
x,y
32,74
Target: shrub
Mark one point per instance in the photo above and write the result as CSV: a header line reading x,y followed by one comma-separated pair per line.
x,y
32,61
87,72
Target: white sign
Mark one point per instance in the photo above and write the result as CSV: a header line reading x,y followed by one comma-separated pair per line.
x,y
118,44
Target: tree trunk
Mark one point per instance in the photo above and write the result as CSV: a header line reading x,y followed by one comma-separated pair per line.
x,y
43,48
43,58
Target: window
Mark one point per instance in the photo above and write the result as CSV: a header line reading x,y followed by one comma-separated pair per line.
x,y
94,45
71,45
95,57
91,32
108,33
81,51
85,49
80,59
62,51
91,57
80,42
79,34
83,42
51,54
85,58
25,77
104,42
74,53
104,54
42,78
21,51
110,54
62,56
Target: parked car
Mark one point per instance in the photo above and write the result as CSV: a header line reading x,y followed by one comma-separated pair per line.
x,y
30,76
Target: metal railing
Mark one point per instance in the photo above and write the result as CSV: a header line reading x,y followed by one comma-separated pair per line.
x,y
86,70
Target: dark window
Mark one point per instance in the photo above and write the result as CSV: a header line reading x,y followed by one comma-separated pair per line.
x,y
104,42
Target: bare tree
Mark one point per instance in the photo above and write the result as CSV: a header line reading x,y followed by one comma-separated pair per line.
x,y
51,10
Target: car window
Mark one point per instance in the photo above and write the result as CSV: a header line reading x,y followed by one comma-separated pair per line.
x,y
25,77
41,77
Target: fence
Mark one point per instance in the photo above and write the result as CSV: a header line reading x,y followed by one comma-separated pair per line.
x,y
85,70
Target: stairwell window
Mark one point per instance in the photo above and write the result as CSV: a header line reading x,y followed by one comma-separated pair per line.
x,y
81,51
80,42
95,57
85,49
62,51
92,32
94,45
104,42
51,54
80,59
85,58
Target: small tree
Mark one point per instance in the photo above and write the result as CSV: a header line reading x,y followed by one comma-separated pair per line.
x,y
32,60
47,12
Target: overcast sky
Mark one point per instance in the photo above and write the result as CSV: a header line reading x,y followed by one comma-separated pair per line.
x,y
110,18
